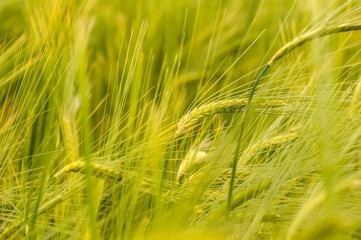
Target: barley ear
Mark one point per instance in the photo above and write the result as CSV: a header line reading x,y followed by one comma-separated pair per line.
x,y
308,36
192,118
276,141
70,140
99,171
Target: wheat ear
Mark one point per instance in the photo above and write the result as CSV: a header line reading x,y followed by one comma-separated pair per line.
x,y
225,176
270,143
240,198
191,160
192,118
99,171
304,38
211,194
196,157
317,33
70,139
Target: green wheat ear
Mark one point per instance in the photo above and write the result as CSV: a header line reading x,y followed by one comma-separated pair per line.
x,y
270,143
99,171
304,38
192,118
308,36
70,139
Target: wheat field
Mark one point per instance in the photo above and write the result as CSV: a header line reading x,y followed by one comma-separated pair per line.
x,y
180,119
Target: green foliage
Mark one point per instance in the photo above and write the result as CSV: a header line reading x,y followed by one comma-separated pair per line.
x,y
134,120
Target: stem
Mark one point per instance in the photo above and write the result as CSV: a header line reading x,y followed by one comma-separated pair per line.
x,y
240,136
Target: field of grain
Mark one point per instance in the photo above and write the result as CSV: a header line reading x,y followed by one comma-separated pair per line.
x,y
180,119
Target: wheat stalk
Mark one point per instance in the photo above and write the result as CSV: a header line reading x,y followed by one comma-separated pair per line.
x,y
192,118
99,171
